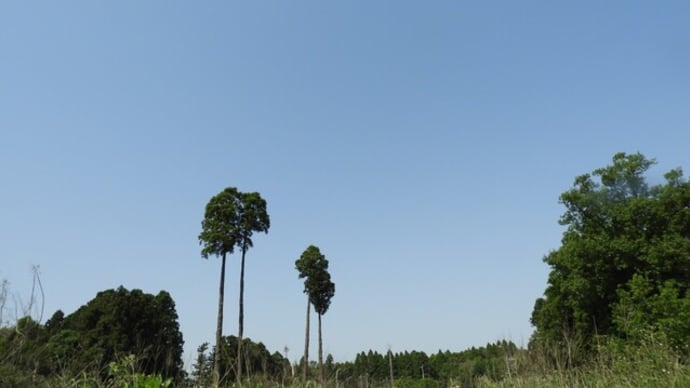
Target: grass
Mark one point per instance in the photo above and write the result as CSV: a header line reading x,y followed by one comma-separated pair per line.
x,y
647,366
615,364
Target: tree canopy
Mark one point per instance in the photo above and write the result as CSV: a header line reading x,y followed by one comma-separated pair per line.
x,y
624,264
313,268
231,218
114,324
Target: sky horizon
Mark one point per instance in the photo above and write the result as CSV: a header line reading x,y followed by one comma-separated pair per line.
x,y
422,148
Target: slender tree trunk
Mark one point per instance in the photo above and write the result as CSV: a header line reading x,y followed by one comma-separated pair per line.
x,y
241,330
390,366
306,345
219,327
320,354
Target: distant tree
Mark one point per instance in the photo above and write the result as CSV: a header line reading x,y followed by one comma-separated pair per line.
x,y
624,264
257,360
390,367
309,265
321,290
202,368
230,219
442,369
330,363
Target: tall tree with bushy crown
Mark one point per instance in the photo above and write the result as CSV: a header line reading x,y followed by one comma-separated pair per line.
x,y
321,291
623,268
230,220
313,268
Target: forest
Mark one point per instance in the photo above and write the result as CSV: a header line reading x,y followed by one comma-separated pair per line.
x,y
615,310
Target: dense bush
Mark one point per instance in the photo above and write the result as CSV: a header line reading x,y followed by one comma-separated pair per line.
x,y
115,324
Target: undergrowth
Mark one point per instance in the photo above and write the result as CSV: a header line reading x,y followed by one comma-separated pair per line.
x,y
617,363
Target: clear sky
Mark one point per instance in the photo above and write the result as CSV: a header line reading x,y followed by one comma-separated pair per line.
x,y
421,145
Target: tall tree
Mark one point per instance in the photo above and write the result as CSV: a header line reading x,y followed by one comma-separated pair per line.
x,y
230,219
309,262
313,268
624,255
321,291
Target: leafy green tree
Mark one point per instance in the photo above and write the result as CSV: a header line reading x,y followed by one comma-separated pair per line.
x,y
321,290
114,324
257,360
120,322
646,307
624,258
230,219
309,264
203,367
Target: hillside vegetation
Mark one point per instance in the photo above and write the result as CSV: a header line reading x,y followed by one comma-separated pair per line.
x,y
615,311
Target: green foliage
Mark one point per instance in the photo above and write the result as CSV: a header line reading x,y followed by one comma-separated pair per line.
x,y
646,307
125,375
313,268
258,362
407,382
322,290
230,219
310,262
417,369
203,367
119,322
624,265
115,323
649,362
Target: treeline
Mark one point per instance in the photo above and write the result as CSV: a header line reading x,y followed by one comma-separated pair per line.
x,y
417,369
368,369
619,283
85,347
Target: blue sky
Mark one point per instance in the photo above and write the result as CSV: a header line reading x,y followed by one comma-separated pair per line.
x,y
421,145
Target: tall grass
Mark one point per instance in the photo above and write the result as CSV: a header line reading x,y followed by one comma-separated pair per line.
x,y
616,363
